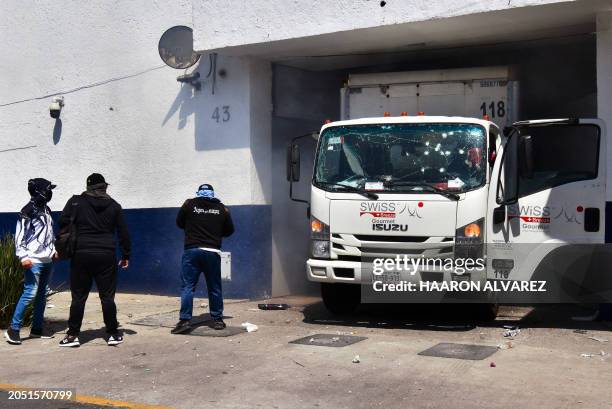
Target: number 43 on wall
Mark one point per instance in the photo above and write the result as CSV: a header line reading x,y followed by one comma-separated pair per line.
x,y
221,114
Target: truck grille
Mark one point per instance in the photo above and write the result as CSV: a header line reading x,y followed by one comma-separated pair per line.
x,y
350,247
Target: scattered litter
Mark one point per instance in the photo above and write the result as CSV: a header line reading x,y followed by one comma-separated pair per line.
x,y
580,331
273,306
511,331
505,345
50,306
203,305
603,354
147,370
298,363
335,339
492,365
311,340
602,340
130,315
250,327
356,360
139,354
253,309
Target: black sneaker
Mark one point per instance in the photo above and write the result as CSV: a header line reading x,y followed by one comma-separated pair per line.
x,y
12,336
70,341
114,339
39,333
182,327
218,324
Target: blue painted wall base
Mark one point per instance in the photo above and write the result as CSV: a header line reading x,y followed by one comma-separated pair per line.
x,y
157,247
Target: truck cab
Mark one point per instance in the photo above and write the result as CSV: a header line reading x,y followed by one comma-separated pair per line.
x,y
445,187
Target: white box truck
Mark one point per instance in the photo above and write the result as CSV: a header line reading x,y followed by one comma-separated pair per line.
x,y
427,177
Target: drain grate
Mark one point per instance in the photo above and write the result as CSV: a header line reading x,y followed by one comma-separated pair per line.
x,y
459,351
168,320
329,340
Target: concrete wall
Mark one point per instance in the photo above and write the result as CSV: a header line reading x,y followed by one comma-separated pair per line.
x,y
263,21
154,139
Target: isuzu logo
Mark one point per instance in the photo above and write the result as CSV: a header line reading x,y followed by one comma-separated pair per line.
x,y
389,227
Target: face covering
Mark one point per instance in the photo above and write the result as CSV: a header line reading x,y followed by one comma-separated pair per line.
x,y
40,191
207,193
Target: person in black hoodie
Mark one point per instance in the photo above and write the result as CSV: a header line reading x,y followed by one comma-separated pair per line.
x,y
205,221
98,219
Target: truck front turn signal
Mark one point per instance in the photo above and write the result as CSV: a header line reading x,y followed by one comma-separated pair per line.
x,y
471,230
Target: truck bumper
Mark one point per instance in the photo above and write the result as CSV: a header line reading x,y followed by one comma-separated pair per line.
x,y
333,271
337,271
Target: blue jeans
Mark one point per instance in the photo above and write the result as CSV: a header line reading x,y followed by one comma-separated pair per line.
x,y
195,262
35,285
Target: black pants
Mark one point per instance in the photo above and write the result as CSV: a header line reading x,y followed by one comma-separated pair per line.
x,y
85,268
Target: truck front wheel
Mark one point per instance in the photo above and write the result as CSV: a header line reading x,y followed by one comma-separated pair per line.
x,y
341,298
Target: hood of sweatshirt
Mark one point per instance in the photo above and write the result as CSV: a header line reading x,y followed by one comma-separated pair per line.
x,y
98,203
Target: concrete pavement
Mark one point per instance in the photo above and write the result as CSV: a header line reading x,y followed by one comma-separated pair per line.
x,y
541,367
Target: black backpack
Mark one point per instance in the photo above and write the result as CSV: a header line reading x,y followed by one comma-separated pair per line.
x,y
66,239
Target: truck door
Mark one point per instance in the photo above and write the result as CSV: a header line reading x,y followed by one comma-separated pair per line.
x,y
547,195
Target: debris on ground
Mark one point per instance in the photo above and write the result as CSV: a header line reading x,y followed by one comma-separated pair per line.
x,y
505,345
203,305
602,354
298,363
356,360
335,339
580,331
273,306
602,340
492,365
250,327
311,340
49,306
253,309
511,331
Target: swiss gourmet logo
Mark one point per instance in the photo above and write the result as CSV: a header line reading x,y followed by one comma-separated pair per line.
x,y
387,210
544,214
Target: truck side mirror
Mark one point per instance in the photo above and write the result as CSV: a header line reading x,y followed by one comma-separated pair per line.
x,y
526,157
293,163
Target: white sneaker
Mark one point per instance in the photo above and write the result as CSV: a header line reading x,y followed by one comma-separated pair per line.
x,y
70,341
115,339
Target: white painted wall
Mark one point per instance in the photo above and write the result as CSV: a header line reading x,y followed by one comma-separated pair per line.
x,y
153,139
604,80
262,21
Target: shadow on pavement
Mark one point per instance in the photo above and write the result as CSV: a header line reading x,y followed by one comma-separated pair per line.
x,y
451,317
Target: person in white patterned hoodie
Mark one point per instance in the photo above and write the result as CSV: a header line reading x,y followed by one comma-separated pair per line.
x,y
34,245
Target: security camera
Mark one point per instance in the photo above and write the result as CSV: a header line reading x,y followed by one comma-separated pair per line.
x,y
56,107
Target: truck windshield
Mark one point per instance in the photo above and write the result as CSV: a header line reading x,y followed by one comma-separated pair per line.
x,y
402,157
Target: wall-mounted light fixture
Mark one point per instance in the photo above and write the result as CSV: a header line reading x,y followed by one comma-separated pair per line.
x,y
55,108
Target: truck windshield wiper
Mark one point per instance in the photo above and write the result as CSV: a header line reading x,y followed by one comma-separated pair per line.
x,y
428,187
348,188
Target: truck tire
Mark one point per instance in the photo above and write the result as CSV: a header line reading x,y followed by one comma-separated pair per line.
x,y
487,311
341,298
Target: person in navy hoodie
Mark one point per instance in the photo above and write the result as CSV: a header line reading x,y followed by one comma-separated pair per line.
x,y
34,245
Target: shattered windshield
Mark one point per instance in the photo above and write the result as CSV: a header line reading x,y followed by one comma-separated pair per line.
x,y
402,157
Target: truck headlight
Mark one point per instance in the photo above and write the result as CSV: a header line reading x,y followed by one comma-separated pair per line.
x,y
319,234
469,243
320,248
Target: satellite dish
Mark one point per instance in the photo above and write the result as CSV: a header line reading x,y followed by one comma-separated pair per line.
x,y
176,47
